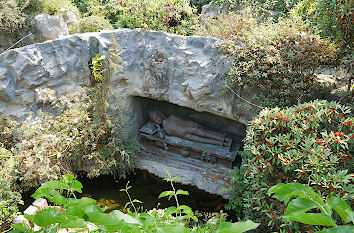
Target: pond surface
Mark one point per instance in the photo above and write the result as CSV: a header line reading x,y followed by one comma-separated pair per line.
x,y
146,187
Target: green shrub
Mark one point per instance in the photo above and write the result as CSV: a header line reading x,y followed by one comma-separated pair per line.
x,y
333,20
7,134
230,26
12,18
199,3
31,7
82,5
174,16
75,140
265,8
310,143
10,198
274,63
54,7
93,23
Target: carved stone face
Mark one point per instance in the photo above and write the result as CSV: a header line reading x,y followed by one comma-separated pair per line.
x,y
157,117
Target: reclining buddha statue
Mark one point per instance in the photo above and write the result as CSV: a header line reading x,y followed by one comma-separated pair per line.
x,y
189,130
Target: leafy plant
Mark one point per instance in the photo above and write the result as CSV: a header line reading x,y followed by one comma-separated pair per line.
x,y
273,64
174,16
77,213
92,23
237,187
179,209
54,7
10,197
333,20
131,202
12,18
199,3
309,207
97,67
310,143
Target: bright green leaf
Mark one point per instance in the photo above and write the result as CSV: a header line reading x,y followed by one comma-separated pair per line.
x,y
313,219
238,227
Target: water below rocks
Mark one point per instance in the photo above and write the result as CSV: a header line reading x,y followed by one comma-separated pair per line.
x,y
146,187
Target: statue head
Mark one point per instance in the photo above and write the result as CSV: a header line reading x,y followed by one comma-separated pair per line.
x,y
157,117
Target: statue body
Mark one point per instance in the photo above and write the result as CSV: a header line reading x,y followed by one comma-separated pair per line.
x,y
189,130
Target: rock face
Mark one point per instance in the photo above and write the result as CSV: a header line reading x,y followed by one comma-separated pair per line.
x,y
186,71
51,26
213,10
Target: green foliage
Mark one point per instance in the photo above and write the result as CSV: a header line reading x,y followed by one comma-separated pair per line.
x,y
82,5
309,207
12,18
333,19
7,135
31,7
175,16
182,211
274,63
199,3
264,8
77,213
237,187
10,198
230,26
97,67
93,23
310,143
54,7
131,202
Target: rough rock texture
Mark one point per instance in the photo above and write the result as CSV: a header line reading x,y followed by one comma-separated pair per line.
x,y
186,71
50,26
213,10
70,18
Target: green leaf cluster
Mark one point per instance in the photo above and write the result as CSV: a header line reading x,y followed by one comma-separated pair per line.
x,y
273,64
10,197
310,143
309,207
174,16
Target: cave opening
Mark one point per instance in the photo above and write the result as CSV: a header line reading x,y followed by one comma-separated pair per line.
x,y
195,146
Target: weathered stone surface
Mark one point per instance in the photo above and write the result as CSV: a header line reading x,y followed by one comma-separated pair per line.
x,y
70,18
40,203
213,10
50,26
186,71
